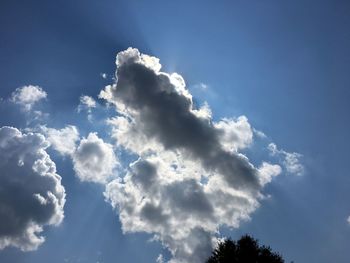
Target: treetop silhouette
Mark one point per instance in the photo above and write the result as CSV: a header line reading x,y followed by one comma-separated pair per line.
x,y
245,250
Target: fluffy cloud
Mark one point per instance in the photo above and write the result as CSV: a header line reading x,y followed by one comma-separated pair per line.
x,y
63,140
190,178
31,194
290,161
235,134
267,171
94,160
27,96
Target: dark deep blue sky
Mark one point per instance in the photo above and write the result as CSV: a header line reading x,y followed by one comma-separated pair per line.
x,y
283,64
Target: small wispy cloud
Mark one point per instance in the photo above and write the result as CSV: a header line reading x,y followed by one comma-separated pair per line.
x,y
87,103
290,160
259,134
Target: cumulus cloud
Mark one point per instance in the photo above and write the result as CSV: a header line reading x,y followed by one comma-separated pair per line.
x,y
94,160
290,161
31,194
62,140
27,96
190,177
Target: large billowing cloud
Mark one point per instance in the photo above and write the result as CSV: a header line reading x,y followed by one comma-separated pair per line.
x,y
162,108
190,177
31,194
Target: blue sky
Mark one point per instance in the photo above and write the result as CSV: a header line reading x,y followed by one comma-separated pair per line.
x,y
283,65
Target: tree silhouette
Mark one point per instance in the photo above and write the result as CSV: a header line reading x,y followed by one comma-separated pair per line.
x,y
245,250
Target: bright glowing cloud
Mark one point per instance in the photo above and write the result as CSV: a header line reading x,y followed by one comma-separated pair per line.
x,y
94,160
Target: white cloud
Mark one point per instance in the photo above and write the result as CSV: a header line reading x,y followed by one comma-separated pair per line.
x,y
63,140
290,161
31,194
235,134
268,171
94,160
348,220
190,178
27,96
87,101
